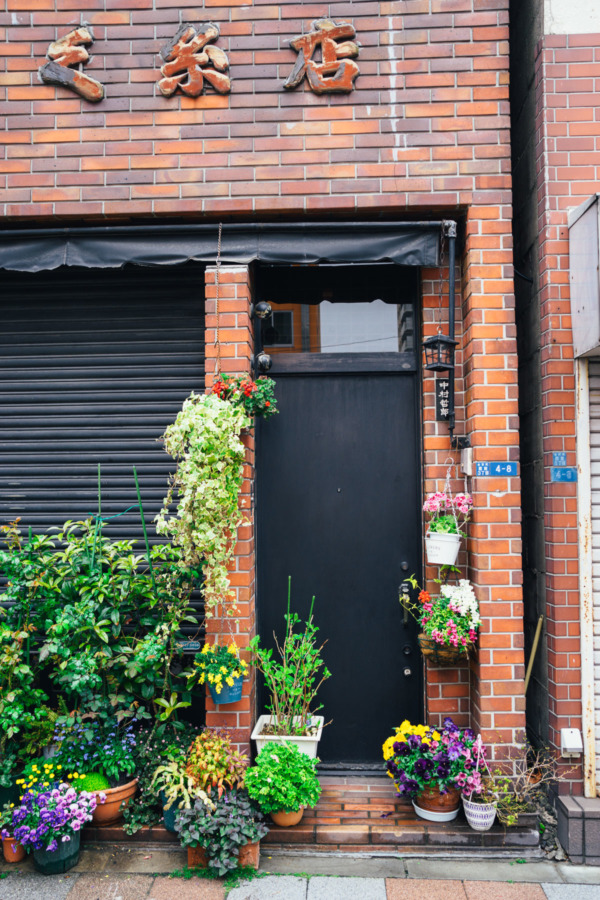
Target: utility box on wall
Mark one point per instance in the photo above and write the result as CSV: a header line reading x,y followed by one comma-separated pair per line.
x,y
584,253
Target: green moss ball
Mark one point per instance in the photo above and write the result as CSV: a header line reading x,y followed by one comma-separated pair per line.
x,y
92,783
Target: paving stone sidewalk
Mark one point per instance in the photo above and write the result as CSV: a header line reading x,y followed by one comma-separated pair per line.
x,y
117,873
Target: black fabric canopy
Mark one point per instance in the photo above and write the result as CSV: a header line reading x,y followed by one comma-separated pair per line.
x,y
402,243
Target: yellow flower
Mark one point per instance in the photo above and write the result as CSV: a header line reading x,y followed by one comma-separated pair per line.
x,y
12,805
229,681
436,735
223,669
206,649
20,781
405,726
46,784
211,677
232,649
75,774
388,747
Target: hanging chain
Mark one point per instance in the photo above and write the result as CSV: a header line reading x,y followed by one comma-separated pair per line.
x,y
217,329
447,486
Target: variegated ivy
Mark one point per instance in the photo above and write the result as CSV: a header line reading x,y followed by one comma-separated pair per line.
x,y
205,441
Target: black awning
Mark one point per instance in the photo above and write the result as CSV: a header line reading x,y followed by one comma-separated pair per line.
x,y
402,243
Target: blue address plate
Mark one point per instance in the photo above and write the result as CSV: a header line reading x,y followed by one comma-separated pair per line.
x,y
495,469
563,475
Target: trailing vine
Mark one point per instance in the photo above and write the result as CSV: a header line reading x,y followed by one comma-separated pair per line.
x,y
205,441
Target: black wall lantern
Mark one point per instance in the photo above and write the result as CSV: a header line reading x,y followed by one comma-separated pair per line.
x,y
439,353
262,361
439,348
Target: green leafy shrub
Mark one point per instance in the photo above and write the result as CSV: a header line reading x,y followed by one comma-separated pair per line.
x,y
234,822
284,779
213,763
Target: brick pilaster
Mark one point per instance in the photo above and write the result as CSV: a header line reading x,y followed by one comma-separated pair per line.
x,y
236,350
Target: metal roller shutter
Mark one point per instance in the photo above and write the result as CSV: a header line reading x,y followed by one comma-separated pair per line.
x,y
94,364
594,380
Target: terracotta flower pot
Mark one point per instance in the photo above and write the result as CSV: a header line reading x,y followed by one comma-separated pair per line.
x,y
434,806
13,851
116,800
196,858
286,819
249,855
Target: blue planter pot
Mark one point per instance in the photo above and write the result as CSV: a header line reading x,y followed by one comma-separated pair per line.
x,y
60,860
228,694
169,814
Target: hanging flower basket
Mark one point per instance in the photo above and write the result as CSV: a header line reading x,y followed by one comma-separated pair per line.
x,y
443,654
228,694
442,549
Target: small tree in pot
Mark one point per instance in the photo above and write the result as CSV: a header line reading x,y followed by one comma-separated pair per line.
x,y
283,781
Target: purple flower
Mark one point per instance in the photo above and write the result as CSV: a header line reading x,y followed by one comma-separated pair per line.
x,y
52,846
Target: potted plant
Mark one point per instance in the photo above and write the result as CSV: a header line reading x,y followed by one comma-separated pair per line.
x,y
214,765
449,623
292,685
177,790
283,782
256,398
220,666
428,767
101,748
449,515
48,821
155,744
222,835
13,851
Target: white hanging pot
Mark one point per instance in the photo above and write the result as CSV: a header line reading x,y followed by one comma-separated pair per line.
x,y
442,549
480,816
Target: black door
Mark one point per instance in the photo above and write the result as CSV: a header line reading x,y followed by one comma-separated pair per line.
x,y
338,510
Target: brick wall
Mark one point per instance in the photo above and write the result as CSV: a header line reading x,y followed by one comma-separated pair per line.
x,y
424,126
568,171
425,132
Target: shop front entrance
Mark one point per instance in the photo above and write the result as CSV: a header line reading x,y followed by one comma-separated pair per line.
x,y
337,507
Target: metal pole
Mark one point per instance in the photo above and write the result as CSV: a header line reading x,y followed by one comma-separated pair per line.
x,y
450,228
534,646
139,496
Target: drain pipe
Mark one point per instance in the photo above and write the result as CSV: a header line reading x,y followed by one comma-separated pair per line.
x,y
586,605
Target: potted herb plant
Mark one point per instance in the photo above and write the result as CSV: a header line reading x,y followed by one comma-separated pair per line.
x,y
48,822
449,515
449,623
220,667
428,767
292,684
177,790
101,748
13,851
283,782
222,835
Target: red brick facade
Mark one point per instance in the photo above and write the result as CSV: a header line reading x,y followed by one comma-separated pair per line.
x,y
425,132
568,171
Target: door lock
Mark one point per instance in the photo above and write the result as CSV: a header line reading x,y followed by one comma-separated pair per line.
x,y
407,650
407,672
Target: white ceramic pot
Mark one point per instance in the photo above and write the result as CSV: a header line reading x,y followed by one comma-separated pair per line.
x,y
308,745
442,549
431,816
480,816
